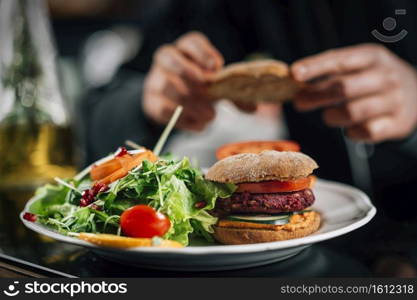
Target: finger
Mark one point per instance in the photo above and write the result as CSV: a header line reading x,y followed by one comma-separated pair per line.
x,y
196,119
337,61
161,108
199,102
375,130
172,60
196,46
340,88
329,92
158,107
174,88
202,111
168,84
189,123
359,110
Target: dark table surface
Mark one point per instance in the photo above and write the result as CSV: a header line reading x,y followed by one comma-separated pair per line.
x,y
382,248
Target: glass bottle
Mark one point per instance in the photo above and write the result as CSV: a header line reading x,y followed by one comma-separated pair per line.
x,y
35,136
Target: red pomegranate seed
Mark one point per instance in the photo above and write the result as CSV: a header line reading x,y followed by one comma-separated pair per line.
x,y
122,152
87,194
200,204
29,217
87,198
83,202
99,188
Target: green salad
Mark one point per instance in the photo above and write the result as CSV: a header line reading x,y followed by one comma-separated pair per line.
x,y
171,187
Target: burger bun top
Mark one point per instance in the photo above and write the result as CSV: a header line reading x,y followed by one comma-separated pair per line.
x,y
267,165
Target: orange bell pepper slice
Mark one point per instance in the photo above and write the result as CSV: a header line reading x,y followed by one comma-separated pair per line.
x,y
105,169
127,163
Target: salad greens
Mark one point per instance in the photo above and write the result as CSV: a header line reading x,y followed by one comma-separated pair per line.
x,y
172,187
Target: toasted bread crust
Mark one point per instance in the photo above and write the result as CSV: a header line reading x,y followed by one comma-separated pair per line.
x,y
237,233
267,165
255,68
255,81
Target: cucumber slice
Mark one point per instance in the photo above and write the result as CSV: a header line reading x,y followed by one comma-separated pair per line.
x,y
259,217
278,219
292,212
274,220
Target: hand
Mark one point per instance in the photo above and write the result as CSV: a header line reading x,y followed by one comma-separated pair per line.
x,y
178,76
366,89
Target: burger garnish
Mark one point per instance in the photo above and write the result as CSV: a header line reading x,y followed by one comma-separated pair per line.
x,y
272,200
255,147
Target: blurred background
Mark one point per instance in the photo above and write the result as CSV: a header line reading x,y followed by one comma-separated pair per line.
x,y
63,63
58,60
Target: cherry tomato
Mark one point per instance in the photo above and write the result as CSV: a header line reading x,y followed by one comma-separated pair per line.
x,y
255,147
142,221
275,186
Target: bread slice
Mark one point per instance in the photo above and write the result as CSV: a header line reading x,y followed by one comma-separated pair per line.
x,y
255,81
267,165
299,226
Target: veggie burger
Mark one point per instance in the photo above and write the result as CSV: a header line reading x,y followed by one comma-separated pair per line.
x,y
272,200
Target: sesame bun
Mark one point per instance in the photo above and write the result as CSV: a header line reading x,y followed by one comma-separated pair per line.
x,y
236,233
267,165
255,81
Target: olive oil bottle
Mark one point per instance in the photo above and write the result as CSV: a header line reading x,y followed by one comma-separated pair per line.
x,y
32,156
36,143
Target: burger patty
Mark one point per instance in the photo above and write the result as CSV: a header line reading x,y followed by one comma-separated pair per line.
x,y
266,203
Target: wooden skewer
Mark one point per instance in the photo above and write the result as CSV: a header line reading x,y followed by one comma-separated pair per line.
x,y
133,145
161,142
70,186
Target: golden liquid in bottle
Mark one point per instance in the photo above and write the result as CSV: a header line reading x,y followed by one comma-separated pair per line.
x,y
31,156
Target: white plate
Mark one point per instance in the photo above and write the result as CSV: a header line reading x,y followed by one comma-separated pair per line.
x,y
343,209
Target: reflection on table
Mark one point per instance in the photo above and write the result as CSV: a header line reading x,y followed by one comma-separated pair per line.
x,y
382,248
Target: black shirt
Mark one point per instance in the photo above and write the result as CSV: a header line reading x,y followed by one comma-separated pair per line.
x,y
285,30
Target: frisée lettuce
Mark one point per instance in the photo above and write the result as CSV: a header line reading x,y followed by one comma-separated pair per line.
x,y
172,187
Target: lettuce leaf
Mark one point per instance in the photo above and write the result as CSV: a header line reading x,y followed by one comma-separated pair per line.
x,y
47,196
174,188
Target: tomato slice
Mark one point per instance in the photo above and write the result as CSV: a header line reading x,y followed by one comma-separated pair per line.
x,y
275,186
255,147
142,221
